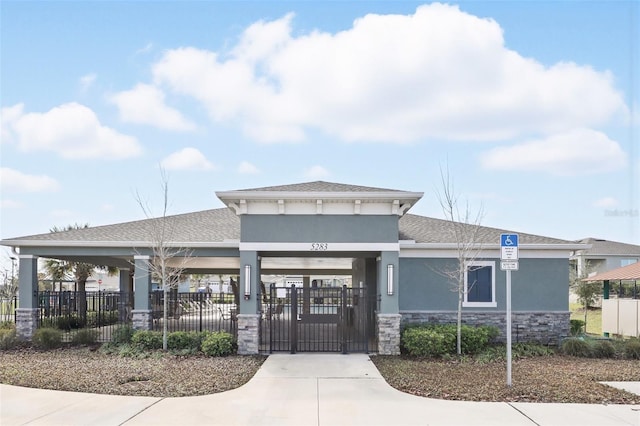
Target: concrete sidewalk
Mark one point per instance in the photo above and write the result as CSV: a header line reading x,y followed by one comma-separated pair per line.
x,y
302,389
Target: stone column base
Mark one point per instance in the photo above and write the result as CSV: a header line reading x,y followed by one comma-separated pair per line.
x,y
248,338
389,334
26,322
142,319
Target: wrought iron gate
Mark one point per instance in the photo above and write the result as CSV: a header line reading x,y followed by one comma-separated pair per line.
x,y
324,319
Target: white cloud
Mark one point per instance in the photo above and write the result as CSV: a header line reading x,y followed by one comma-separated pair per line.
x,y
10,204
437,74
145,104
9,115
186,159
70,130
606,202
316,172
86,81
15,181
576,152
247,168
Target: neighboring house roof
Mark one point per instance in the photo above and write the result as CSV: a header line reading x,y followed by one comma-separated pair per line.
x,y
629,272
220,225
318,186
423,229
600,247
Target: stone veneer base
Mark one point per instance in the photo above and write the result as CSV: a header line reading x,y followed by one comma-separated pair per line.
x,y
541,327
389,334
248,337
26,323
142,319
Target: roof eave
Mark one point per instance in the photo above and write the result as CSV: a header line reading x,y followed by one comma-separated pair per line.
x,y
132,244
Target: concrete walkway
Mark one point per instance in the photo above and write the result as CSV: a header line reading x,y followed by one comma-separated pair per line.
x,y
302,389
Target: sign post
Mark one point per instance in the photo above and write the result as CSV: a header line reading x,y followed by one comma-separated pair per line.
x,y
509,262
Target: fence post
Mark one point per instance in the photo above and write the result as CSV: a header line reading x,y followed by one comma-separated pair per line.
x,y
293,320
345,316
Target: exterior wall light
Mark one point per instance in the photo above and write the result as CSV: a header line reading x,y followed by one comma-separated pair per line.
x,y
247,281
390,280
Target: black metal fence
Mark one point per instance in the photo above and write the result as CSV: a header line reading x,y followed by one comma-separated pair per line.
x,y
8,306
71,311
326,319
195,312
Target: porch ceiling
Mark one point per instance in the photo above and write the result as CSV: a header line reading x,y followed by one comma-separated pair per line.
x,y
270,265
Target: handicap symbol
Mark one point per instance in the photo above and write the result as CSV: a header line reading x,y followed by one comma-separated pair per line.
x,y
507,241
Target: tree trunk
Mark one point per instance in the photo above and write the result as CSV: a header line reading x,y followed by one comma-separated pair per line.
x,y
459,324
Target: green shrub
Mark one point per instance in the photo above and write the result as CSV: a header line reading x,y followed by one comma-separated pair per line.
x,y
426,342
184,340
67,322
518,351
8,338
122,334
441,339
218,343
147,340
526,350
7,325
476,339
632,349
602,349
102,318
47,338
85,336
576,347
576,327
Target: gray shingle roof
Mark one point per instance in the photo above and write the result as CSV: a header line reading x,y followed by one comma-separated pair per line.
x,y
423,229
204,226
222,224
601,247
318,186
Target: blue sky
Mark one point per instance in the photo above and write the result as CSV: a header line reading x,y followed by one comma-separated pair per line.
x,y
533,106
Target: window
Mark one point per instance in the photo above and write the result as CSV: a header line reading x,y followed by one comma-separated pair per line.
x,y
627,262
480,284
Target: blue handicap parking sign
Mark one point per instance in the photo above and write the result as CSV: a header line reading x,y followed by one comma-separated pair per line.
x,y
509,240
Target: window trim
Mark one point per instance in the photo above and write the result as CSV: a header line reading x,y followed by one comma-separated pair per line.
x,y
481,263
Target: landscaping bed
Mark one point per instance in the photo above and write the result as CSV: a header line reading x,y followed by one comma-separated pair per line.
x,y
83,369
553,378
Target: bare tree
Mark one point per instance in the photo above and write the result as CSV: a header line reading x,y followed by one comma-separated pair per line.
x,y
465,232
168,261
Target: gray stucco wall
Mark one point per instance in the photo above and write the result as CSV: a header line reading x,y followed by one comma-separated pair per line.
x,y
539,298
538,285
319,228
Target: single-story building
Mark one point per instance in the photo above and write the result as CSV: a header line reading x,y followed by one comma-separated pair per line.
x,y
397,263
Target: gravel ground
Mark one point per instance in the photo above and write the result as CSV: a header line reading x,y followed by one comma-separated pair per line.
x,y
544,379
160,375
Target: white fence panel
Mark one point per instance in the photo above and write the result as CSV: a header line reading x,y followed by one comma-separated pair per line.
x,y
621,317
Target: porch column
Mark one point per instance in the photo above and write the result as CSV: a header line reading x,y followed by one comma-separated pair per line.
x,y
388,317
306,294
141,314
248,316
605,295
126,295
27,313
